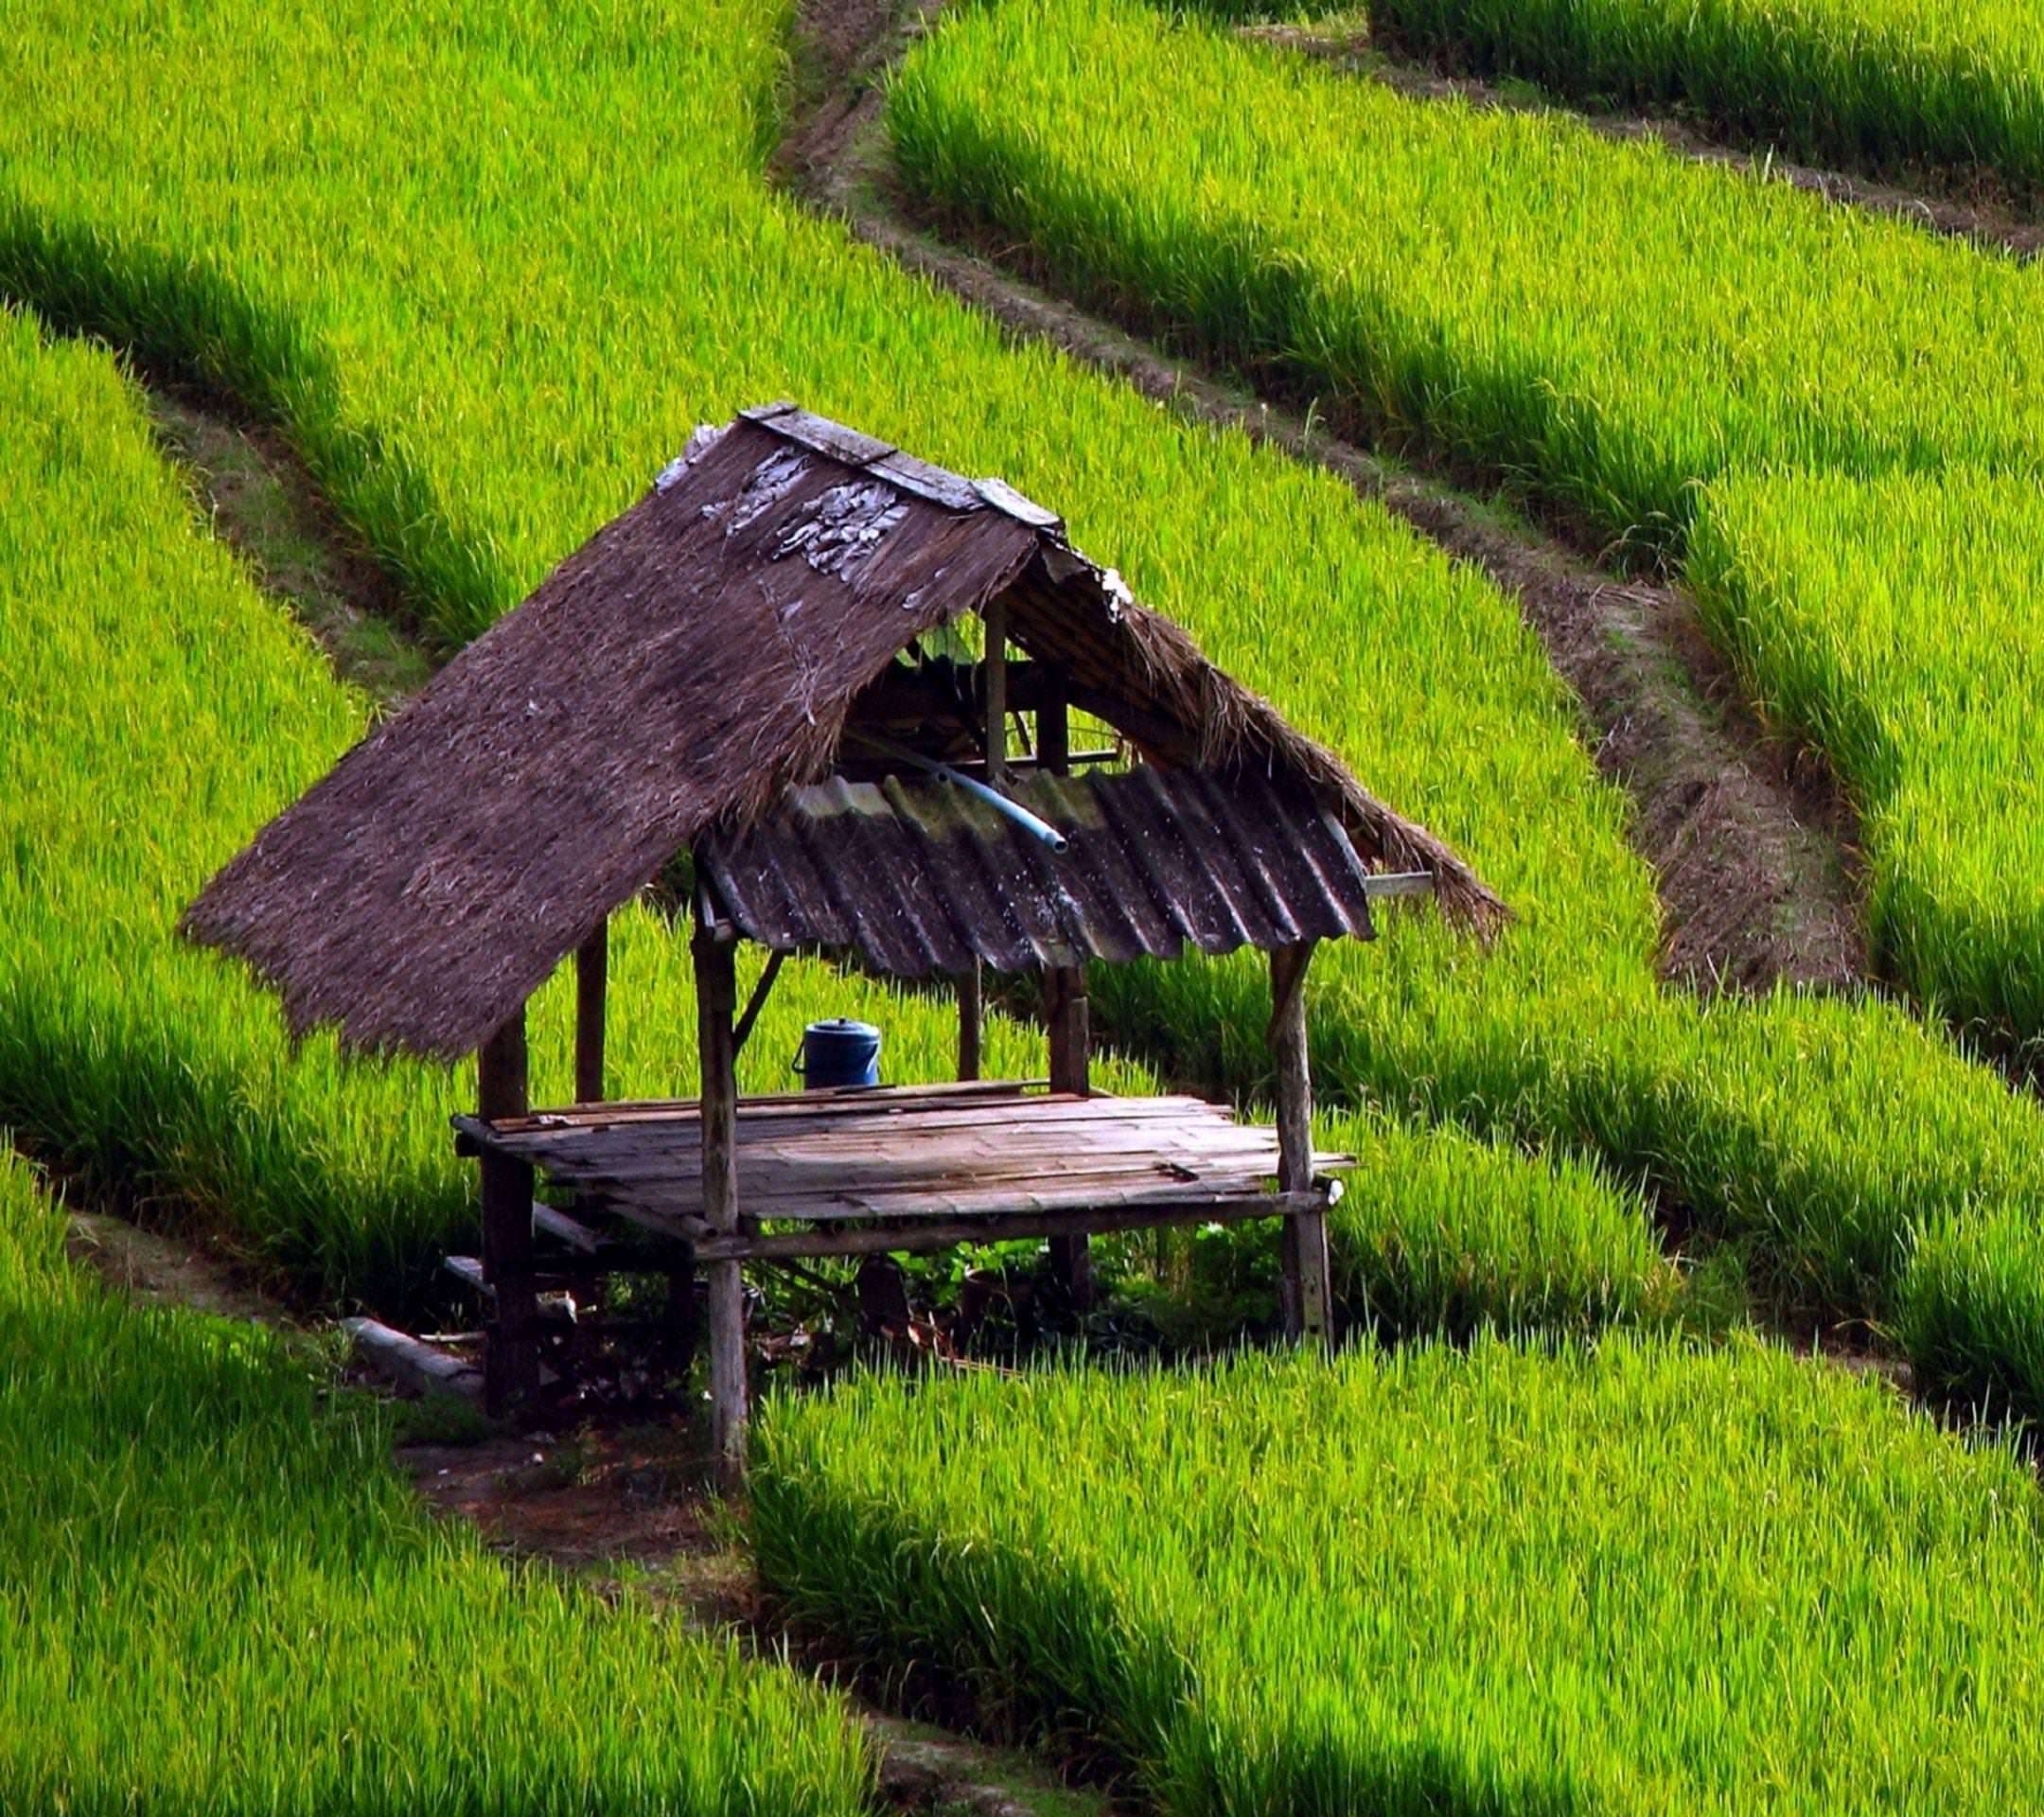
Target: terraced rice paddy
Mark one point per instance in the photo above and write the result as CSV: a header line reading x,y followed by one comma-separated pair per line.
x,y
1490,1582
1894,623
406,307
216,1595
1634,325
163,1077
485,271
1601,324
1887,85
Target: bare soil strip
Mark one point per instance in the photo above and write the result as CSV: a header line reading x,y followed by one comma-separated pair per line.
x,y
157,1270
255,494
1751,843
1972,209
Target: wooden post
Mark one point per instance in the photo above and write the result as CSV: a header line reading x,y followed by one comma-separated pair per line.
x,y
1053,720
593,980
1303,1284
1064,1011
511,1361
970,1010
997,691
717,997
971,984
1064,991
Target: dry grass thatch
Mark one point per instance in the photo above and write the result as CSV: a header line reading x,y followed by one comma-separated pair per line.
x,y
694,660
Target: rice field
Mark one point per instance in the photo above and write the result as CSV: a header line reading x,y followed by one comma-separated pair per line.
x,y
1493,1581
1894,623
1873,85
410,309
1601,326
485,269
1636,335
217,1596
160,710
143,669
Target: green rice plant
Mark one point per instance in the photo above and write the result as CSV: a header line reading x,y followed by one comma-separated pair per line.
x,y
1873,85
1498,1581
485,323
1328,227
1895,624
217,1596
1434,1236
1600,325
159,710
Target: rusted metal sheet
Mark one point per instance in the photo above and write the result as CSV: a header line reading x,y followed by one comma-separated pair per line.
x,y
920,877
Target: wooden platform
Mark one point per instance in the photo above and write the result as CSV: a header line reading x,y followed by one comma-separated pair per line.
x,y
911,1168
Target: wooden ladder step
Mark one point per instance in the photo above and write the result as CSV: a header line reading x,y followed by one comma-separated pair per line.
x,y
550,1221
468,1271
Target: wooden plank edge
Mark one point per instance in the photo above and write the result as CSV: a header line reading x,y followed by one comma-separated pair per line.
x,y
942,1233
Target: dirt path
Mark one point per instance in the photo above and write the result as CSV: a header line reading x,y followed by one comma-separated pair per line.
x,y
161,1271
255,494
626,1512
1748,845
1991,221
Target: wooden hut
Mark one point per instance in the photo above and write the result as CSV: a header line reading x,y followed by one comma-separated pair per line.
x,y
738,669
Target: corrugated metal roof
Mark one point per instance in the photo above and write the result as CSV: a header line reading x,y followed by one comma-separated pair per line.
x,y
922,877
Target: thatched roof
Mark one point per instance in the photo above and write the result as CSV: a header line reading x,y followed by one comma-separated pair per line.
x,y
694,660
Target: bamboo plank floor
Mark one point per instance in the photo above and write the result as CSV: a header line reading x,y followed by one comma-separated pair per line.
x,y
973,1150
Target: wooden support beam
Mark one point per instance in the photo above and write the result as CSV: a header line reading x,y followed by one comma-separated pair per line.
x,y
511,1363
564,1227
971,1014
971,984
756,1002
996,690
411,1362
908,1235
1053,720
716,995
1064,1009
593,984
1161,737
1304,1282
1065,989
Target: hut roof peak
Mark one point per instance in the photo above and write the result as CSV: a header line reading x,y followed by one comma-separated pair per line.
x,y
695,659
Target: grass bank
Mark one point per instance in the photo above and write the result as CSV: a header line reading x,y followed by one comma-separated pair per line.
x,y
1880,85
218,1596
1497,1581
485,325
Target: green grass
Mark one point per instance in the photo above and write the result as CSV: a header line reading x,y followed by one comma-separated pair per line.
x,y
1601,324
215,1595
1497,1581
485,326
160,709
1885,85
1895,624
